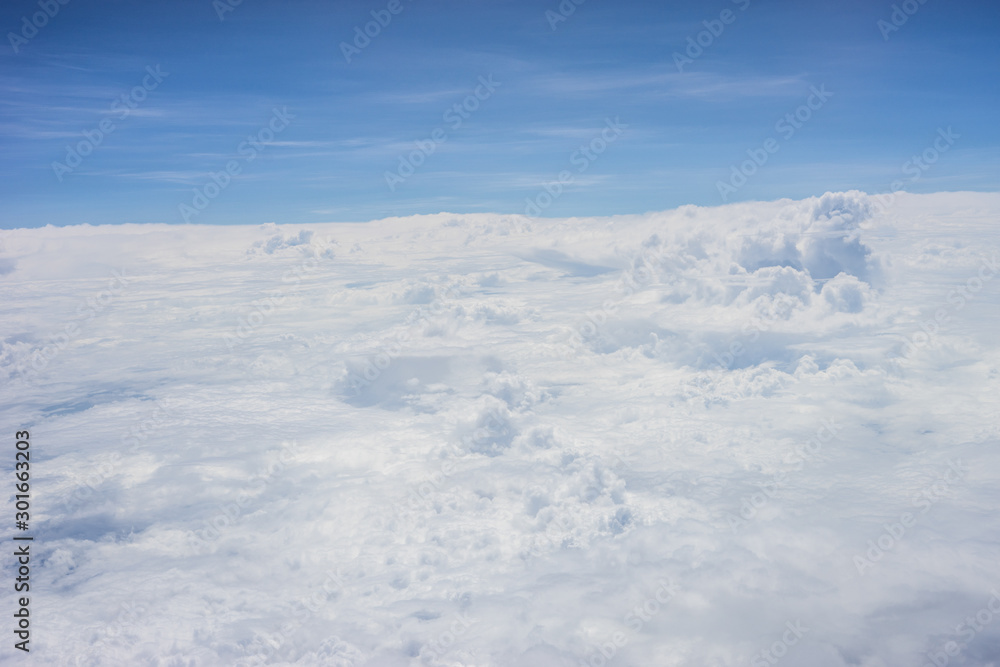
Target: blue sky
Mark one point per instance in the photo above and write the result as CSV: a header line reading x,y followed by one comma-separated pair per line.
x,y
348,124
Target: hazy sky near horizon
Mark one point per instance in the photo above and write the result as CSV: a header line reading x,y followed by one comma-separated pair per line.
x,y
211,76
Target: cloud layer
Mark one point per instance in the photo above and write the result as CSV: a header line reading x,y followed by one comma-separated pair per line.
x,y
757,434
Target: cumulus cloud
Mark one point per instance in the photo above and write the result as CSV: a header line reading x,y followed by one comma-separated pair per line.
x,y
756,434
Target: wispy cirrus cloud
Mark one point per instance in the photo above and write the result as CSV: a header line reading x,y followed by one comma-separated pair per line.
x,y
665,84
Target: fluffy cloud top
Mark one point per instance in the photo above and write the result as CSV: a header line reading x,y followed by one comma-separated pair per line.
x,y
757,434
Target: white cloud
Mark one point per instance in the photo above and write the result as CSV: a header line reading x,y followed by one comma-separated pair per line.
x,y
450,439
